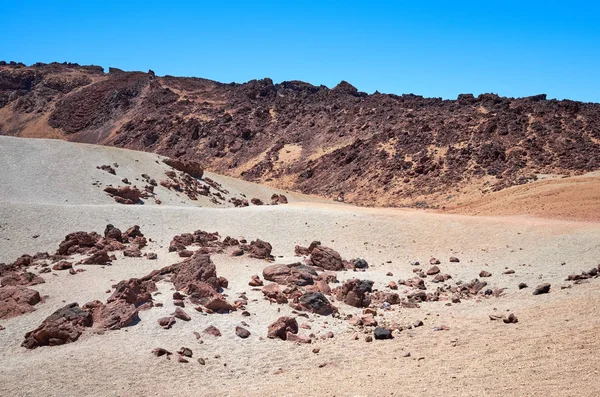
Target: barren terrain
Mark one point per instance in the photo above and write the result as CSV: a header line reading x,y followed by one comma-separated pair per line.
x,y
49,189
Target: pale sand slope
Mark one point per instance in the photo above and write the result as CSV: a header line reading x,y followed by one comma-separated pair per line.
x,y
552,351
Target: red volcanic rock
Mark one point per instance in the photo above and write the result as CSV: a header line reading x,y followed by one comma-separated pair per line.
x,y
278,199
219,305
78,242
112,232
132,252
198,268
17,300
185,253
181,242
222,281
255,281
192,168
63,326
256,201
166,322
181,314
20,278
100,257
355,292
281,327
454,259
134,291
62,265
242,332
485,273
434,261
295,273
124,194
326,258
292,337
433,271
112,315
260,249
305,251
273,293
132,233
212,330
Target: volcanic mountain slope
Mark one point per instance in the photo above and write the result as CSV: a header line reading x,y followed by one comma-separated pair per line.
x,y
339,143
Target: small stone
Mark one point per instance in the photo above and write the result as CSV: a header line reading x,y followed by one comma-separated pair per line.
x,y
159,351
316,350
212,330
242,332
201,361
382,333
511,319
542,289
484,273
181,314
166,322
522,285
454,259
368,338
185,351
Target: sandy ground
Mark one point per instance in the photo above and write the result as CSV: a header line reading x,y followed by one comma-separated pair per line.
x,y
552,351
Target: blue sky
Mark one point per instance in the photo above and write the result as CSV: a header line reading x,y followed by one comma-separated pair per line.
x,y
431,48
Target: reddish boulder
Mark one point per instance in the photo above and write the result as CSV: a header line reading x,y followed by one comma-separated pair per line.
x,y
62,265
305,251
192,168
181,314
78,242
255,281
125,194
100,257
292,337
22,278
63,326
112,315
273,293
295,274
17,300
433,271
326,258
198,268
355,292
166,322
281,327
112,232
260,249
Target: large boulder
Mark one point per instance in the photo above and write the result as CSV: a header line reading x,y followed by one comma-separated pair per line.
x,y
281,327
113,233
63,326
17,300
326,258
112,315
198,268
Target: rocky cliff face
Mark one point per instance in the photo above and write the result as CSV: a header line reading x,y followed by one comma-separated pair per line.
x,y
341,143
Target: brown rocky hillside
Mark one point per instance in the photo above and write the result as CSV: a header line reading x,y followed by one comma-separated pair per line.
x,y
374,149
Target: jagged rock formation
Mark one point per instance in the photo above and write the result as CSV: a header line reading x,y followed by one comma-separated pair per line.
x,y
340,143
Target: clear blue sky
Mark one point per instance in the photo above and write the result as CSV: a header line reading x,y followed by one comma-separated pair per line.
x,y
431,48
